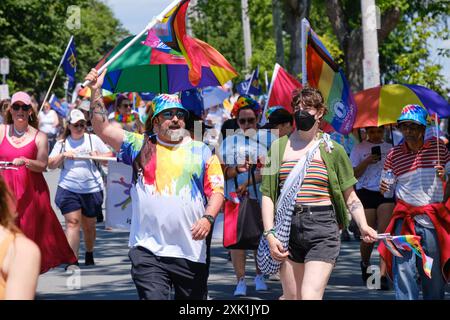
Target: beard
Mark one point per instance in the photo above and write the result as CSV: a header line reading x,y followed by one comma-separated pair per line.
x,y
176,135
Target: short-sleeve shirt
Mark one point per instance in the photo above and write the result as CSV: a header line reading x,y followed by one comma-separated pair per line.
x,y
177,180
80,176
370,179
234,151
416,180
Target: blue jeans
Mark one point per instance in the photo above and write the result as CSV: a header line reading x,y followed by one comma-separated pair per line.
x,y
408,269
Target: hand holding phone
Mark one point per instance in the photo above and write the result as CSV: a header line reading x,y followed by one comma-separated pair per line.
x,y
376,151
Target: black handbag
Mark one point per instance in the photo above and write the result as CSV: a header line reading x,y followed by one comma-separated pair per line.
x,y
243,225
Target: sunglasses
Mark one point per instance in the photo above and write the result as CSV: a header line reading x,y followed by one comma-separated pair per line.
x,y
24,107
126,105
410,127
168,115
247,120
79,125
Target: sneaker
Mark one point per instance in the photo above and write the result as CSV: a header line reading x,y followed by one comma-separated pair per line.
x,y
89,259
260,284
364,273
72,266
241,288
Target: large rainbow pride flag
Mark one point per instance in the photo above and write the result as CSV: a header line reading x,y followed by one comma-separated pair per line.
x,y
172,31
323,73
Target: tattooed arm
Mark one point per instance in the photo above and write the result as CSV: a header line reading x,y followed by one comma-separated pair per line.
x,y
356,209
99,115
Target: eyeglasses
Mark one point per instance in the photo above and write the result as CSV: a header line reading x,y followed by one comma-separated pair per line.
x,y
25,107
303,108
410,127
247,120
79,125
168,115
126,105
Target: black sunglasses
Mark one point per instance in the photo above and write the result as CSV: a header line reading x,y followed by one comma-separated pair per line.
x,y
126,105
247,120
25,107
168,115
79,125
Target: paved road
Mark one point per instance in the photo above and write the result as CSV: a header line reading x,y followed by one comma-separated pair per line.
x,y
110,277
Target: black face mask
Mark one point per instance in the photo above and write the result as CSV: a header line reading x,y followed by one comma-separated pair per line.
x,y
303,120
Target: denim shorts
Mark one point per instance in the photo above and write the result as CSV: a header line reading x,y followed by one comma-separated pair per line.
x,y
314,235
89,203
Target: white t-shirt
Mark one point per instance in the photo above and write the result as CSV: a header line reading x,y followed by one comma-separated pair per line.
x,y
370,179
80,176
46,122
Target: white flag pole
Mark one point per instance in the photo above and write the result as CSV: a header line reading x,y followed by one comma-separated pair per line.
x,y
274,76
305,29
56,73
250,82
152,23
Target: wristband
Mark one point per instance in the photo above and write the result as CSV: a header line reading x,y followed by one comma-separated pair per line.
x,y
210,218
267,232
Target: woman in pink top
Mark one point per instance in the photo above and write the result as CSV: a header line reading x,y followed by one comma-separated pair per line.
x,y
23,145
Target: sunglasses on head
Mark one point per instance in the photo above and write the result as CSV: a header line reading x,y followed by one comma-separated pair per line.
x,y
79,125
247,120
25,107
168,115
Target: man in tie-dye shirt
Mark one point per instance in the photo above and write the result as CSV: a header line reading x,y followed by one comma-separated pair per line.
x,y
176,194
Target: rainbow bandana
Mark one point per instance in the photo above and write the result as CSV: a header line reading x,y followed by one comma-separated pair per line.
x,y
166,101
243,102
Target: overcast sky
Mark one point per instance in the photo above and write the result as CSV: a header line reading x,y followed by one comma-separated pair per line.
x,y
136,14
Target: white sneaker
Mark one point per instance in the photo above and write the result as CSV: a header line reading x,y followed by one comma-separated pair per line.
x,y
241,288
260,284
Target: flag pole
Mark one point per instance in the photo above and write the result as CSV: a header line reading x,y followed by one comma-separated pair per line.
x,y
250,83
274,76
152,23
305,29
56,73
437,137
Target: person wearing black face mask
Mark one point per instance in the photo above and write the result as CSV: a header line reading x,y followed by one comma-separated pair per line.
x,y
323,195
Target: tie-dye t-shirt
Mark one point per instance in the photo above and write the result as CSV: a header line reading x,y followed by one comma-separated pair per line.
x,y
171,196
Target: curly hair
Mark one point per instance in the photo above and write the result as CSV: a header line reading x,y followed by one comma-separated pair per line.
x,y
309,97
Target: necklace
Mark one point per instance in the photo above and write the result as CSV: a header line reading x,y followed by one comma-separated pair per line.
x,y
21,135
124,118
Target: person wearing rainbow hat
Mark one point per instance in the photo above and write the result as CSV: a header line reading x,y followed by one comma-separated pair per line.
x,y
422,209
177,191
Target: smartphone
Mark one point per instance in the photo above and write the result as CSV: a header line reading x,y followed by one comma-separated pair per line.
x,y
376,151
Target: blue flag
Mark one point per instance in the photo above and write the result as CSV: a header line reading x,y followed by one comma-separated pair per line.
x,y
251,85
61,109
192,100
70,63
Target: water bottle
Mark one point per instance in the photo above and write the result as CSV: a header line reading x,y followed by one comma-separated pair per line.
x,y
389,178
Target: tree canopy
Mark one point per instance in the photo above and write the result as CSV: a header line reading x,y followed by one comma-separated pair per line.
x,y
35,34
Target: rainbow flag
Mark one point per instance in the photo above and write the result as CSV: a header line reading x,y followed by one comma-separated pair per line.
x,y
391,247
172,32
323,73
412,242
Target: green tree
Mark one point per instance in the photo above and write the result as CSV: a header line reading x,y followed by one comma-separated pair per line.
x,y
34,36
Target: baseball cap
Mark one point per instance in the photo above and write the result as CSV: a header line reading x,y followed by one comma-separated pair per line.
x,y
277,115
166,101
75,116
22,97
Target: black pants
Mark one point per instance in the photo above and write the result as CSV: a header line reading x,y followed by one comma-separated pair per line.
x,y
153,276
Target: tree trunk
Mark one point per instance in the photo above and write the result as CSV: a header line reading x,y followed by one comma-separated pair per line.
x,y
295,11
351,42
278,30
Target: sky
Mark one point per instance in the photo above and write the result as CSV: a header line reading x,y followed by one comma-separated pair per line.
x,y
136,14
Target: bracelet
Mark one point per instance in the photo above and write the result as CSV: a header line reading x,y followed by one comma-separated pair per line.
x,y
209,217
270,231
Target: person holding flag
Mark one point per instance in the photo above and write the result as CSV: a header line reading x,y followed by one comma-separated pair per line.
x,y
422,209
